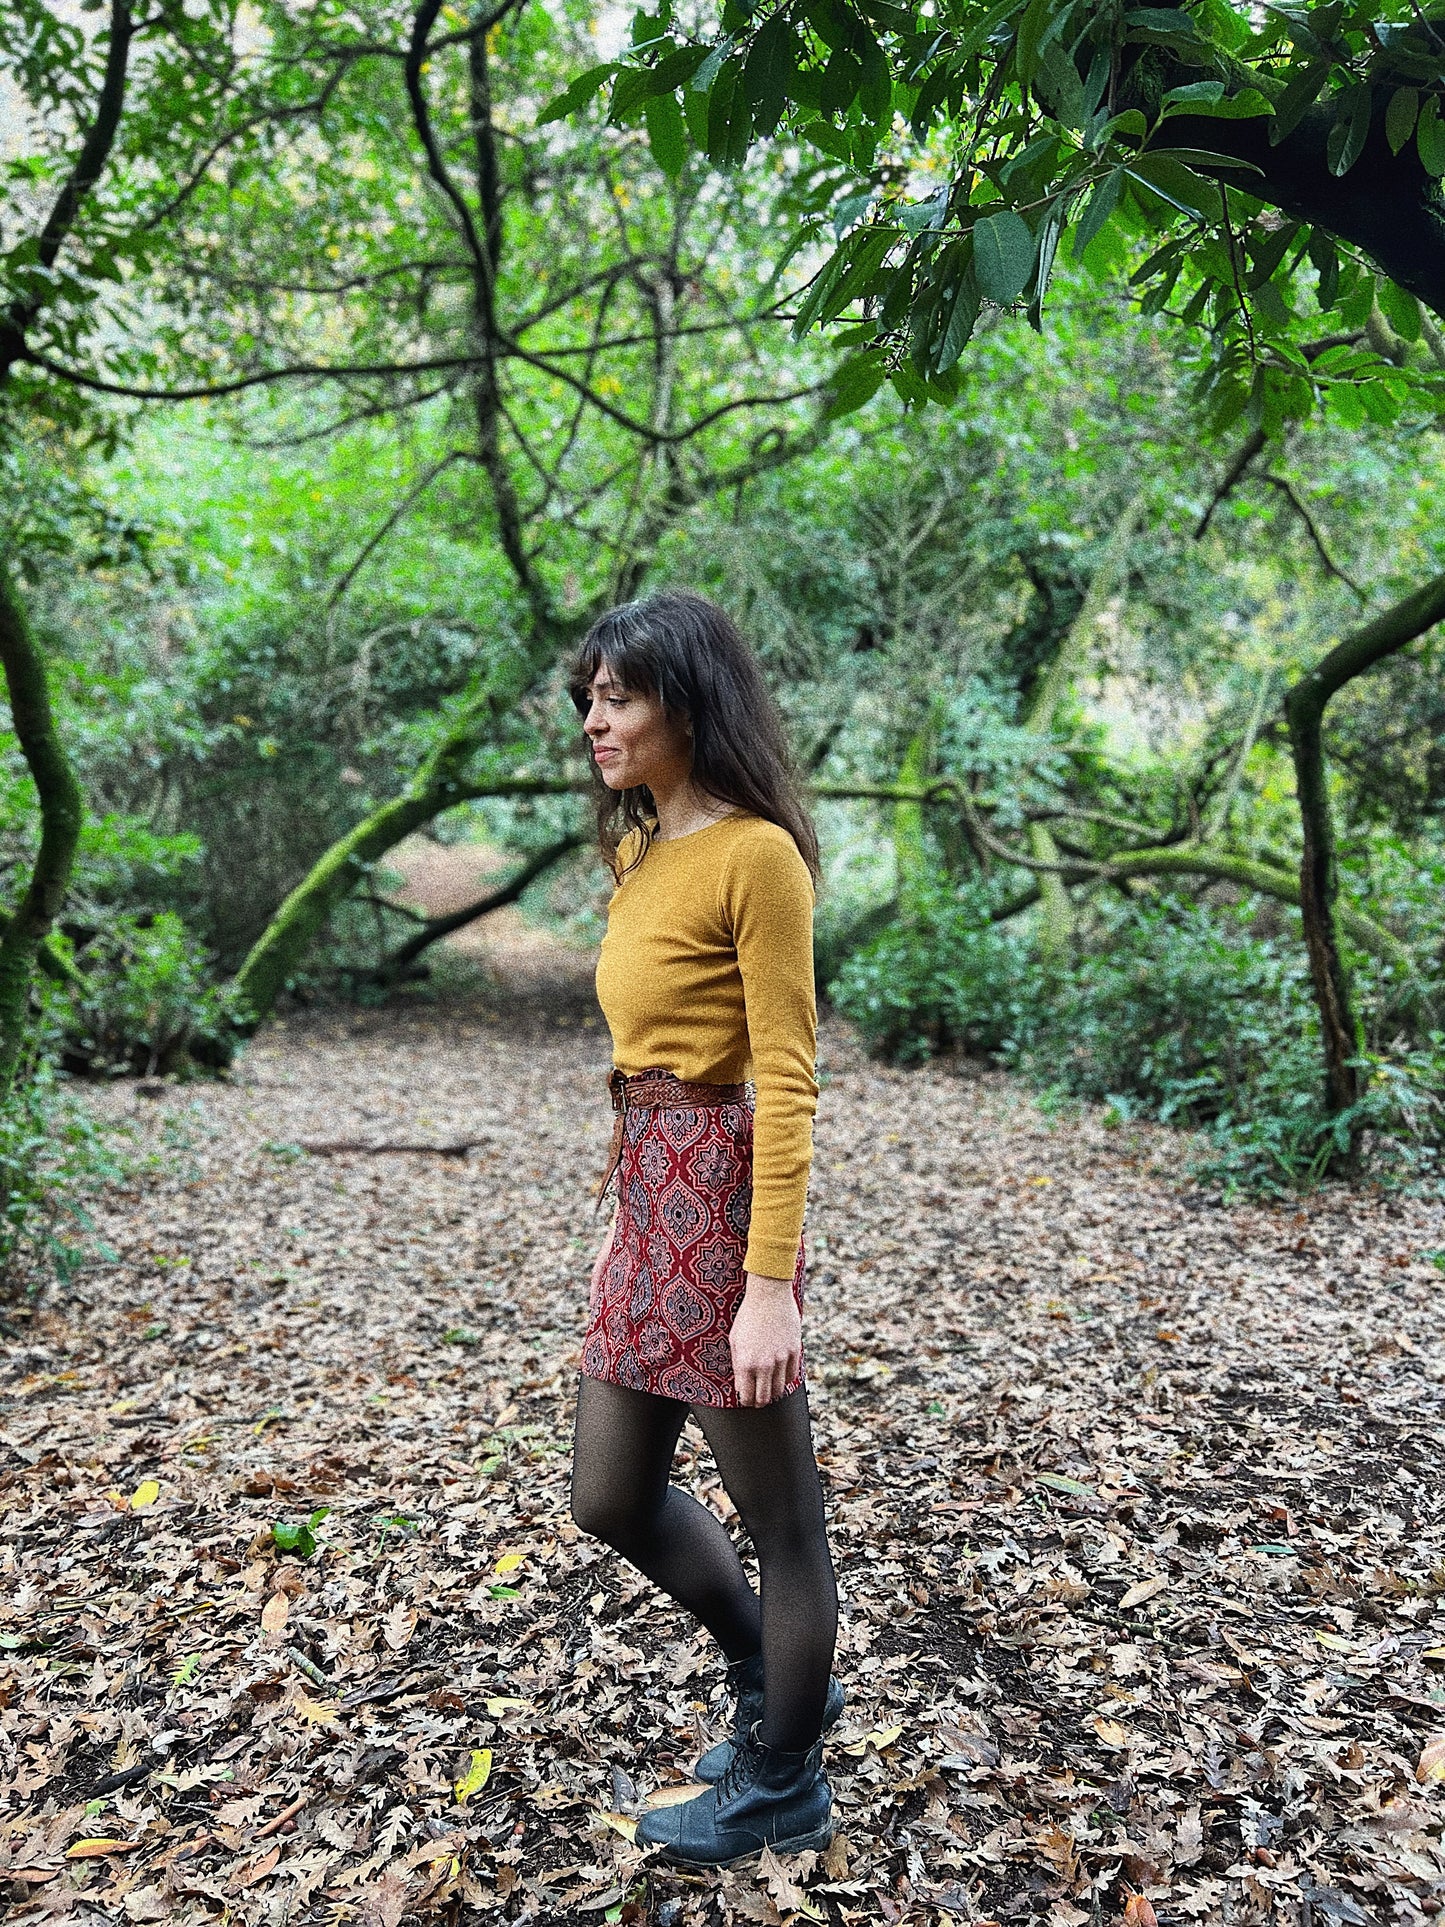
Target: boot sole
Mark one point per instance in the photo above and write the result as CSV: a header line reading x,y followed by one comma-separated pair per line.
x,y
819,1838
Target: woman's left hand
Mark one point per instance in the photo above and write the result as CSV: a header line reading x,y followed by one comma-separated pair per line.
x,y
766,1339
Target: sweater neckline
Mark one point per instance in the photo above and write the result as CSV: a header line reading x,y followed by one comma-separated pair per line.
x,y
655,842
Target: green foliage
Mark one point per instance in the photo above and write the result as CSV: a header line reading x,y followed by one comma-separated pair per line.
x,y
1197,1014
946,978
149,996
1195,147
53,1158
299,1536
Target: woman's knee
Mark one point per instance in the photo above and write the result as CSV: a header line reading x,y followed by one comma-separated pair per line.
x,y
603,1512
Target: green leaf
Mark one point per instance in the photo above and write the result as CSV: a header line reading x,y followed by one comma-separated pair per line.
x,y
1177,184
1400,309
1325,259
1038,20
1076,1488
844,274
1400,116
855,382
729,121
1352,124
960,324
577,95
1003,256
1101,204
666,135
1298,97
1430,137
769,71
1207,97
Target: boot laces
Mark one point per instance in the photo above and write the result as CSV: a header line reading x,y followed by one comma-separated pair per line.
x,y
742,1766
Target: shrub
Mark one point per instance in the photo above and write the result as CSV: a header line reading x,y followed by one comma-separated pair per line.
x,y
148,996
53,1156
1198,1014
944,977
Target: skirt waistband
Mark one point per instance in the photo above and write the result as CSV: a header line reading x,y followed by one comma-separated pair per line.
x,y
654,1090
651,1089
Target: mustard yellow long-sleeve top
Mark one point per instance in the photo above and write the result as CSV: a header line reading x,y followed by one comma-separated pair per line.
x,y
707,971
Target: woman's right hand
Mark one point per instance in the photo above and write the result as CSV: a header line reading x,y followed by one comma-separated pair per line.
x,y
599,1265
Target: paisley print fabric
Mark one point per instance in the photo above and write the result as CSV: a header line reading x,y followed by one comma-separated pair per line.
x,y
674,1278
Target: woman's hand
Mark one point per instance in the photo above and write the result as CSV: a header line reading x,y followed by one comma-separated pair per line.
x,y
599,1265
766,1339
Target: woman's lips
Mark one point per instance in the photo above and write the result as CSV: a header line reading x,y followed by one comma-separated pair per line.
x,y
603,755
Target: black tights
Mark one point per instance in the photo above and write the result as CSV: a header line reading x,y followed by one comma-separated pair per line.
x,y
621,1493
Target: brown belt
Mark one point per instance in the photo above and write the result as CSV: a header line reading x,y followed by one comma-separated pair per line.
x,y
655,1090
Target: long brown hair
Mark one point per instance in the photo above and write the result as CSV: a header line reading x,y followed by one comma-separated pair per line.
x,y
688,653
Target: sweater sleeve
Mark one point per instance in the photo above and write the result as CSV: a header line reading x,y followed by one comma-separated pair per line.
x,y
767,901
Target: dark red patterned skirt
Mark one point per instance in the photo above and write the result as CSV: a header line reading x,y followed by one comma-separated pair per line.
x,y
674,1277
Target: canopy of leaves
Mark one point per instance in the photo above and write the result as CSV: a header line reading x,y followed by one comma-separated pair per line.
x,y
1272,175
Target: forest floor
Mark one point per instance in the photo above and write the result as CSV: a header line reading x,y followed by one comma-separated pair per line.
x,y
1136,1501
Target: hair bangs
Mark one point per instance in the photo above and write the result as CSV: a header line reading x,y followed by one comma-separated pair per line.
x,y
619,646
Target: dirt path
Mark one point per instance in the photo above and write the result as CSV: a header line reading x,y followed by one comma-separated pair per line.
x,y
1136,1501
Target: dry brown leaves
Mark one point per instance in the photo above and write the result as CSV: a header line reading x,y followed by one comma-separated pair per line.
x,y
1136,1503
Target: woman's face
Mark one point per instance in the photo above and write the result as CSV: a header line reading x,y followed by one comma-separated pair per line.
x,y
634,742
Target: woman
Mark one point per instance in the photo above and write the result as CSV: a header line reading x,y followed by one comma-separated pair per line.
x,y
706,977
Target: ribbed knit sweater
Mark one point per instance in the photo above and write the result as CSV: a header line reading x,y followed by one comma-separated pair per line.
x,y
707,971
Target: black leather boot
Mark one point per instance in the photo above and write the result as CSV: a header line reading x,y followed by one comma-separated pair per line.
x,y
766,1798
745,1678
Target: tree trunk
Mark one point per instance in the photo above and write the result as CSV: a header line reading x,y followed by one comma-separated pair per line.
x,y
440,784
61,811
1319,885
397,962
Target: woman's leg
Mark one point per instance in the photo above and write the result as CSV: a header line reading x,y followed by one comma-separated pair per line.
x,y
765,1456
621,1458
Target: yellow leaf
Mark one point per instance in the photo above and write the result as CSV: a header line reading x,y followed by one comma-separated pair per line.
x,y
499,1707
1335,1643
93,1849
146,1493
1111,1732
620,1823
1432,1761
476,1775
316,1712
509,1562
1433,1652
274,1612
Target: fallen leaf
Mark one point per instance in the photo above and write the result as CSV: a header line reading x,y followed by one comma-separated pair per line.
x,y
316,1712
788,1896
384,1904
1141,1590
146,1493
94,1849
880,1739
1110,1732
1431,1764
274,1612
502,1706
247,1876
509,1562
620,1823
1139,1913
398,1626
476,1775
